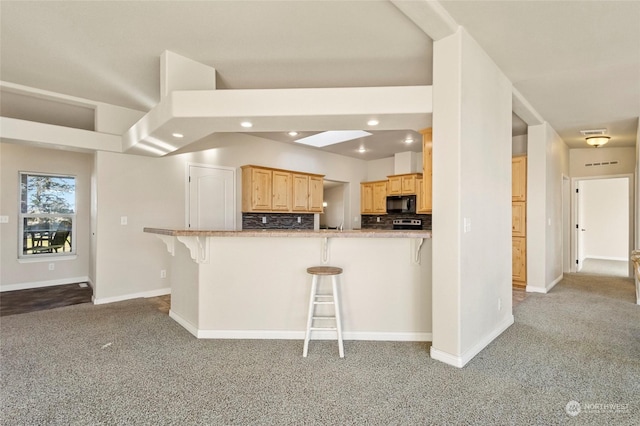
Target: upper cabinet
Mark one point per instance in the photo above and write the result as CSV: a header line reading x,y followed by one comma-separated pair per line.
x,y
519,178
403,184
273,190
373,197
425,193
316,193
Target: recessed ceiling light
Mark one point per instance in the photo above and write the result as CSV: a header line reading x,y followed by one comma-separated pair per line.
x,y
332,137
373,122
408,140
292,133
362,149
177,135
246,124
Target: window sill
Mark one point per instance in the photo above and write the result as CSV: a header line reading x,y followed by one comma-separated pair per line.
x,y
46,258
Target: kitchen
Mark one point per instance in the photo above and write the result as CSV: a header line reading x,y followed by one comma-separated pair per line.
x,y
215,298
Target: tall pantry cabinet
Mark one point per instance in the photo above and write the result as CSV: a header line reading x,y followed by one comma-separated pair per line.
x,y
519,220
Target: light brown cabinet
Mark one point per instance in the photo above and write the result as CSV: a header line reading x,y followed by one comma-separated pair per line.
x,y
373,197
267,190
300,192
256,189
425,204
519,220
519,261
316,193
405,184
281,188
519,178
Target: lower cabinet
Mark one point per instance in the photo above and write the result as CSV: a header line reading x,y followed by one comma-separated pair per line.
x,y
519,261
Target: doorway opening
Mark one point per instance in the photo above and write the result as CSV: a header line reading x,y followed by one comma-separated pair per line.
x,y
603,225
334,206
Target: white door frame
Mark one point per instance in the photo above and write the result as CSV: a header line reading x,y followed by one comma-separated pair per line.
x,y
187,199
574,214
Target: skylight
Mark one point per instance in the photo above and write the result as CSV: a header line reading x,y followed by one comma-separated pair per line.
x,y
332,137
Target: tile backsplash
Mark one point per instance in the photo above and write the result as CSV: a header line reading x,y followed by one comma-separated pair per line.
x,y
386,220
277,221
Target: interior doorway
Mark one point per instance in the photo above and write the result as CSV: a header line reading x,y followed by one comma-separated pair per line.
x,y
603,225
334,206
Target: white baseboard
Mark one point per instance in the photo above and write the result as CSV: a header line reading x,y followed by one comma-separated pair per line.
x,y
144,294
184,323
621,259
297,334
38,284
547,288
462,360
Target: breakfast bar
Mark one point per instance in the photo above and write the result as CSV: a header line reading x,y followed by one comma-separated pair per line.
x,y
254,285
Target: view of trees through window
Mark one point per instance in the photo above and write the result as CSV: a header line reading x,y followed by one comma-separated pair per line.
x,y
47,210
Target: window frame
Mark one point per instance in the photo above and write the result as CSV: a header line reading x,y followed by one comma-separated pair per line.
x,y
22,256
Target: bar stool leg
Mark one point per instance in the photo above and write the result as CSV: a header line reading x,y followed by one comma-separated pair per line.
x,y
307,336
336,305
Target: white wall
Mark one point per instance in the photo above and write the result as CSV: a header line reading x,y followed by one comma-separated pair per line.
x,y
472,179
380,169
547,162
334,212
579,157
605,208
151,193
519,145
13,159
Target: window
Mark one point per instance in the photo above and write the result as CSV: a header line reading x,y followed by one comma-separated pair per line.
x,y
47,215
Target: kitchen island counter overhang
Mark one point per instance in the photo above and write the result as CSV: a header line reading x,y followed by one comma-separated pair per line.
x,y
254,284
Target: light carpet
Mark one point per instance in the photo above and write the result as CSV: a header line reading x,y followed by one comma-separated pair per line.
x,y
127,363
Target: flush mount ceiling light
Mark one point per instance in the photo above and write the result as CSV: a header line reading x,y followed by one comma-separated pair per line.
x,y
373,122
597,141
246,124
292,133
332,137
177,135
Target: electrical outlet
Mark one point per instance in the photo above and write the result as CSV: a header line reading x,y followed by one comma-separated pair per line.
x,y
467,224
123,220
499,304
163,273
299,219
378,219
264,219
52,266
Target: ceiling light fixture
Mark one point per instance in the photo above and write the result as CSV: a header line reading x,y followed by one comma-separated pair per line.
x,y
373,122
177,135
246,124
408,140
598,141
292,133
362,149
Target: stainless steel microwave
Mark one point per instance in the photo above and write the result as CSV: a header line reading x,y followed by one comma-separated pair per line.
x,y
401,204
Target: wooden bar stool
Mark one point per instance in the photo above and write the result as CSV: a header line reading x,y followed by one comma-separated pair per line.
x,y
323,299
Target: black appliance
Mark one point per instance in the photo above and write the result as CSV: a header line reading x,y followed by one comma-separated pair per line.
x,y
401,204
414,224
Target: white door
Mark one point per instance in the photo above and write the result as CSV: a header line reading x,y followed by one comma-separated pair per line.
x,y
211,198
580,226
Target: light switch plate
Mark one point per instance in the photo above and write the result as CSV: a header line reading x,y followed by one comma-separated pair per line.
x,y
4,219
123,220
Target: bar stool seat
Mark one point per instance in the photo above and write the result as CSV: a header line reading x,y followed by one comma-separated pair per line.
x,y
323,299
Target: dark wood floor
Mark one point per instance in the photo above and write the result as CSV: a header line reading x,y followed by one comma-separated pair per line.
x,y
37,299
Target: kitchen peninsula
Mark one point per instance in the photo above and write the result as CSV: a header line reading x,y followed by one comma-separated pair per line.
x,y
254,285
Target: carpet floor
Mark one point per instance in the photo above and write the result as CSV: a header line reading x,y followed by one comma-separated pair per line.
x,y
128,363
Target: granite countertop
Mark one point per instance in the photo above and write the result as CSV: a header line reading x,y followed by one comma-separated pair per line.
x,y
323,233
